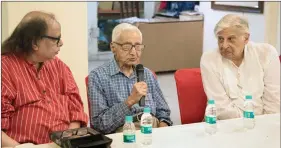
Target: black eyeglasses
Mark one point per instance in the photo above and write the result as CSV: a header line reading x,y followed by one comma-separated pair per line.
x,y
128,47
53,38
74,132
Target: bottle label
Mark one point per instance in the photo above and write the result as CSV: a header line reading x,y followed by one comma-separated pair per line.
x,y
248,114
146,129
211,120
129,138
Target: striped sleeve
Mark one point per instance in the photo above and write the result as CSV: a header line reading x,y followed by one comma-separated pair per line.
x,y
8,94
76,110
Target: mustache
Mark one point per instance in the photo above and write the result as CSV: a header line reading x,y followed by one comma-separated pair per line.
x,y
225,49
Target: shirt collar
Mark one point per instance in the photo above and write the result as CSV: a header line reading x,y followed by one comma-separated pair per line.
x,y
114,68
30,64
246,50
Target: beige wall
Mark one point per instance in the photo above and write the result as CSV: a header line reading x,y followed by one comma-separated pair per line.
x,y
73,19
4,21
272,13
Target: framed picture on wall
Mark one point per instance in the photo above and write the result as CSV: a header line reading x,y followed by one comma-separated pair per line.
x,y
250,6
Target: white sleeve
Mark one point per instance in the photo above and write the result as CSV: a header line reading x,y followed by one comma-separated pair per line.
x,y
226,109
271,96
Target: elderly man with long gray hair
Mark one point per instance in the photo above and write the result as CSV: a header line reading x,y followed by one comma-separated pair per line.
x,y
239,68
39,94
113,88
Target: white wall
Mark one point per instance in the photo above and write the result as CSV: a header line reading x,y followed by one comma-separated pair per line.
x,y
272,16
92,14
73,19
211,17
149,8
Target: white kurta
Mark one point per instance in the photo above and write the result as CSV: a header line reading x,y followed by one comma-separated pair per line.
x,y
258,75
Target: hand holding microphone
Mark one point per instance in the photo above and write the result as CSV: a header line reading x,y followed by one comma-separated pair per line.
x,y
139,89
140,78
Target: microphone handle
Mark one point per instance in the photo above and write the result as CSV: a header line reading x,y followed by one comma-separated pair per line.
x,y
142,101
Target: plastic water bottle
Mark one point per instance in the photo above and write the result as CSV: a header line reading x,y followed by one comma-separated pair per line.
x,y
249,115
146,127
211,117
129,135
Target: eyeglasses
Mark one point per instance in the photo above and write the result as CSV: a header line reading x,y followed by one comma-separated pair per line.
x,y
128,47
77,132
53,38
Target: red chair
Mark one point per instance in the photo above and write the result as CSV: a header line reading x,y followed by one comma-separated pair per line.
x,y
154,74
191,96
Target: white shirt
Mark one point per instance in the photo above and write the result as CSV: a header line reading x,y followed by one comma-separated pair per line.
x,y
258,75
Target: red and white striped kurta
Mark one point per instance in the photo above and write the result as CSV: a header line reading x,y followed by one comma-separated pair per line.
x,y
36,103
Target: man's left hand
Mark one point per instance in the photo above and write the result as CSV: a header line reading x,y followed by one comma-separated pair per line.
x,y
74,124
163,124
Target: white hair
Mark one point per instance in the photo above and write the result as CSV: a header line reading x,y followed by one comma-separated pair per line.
x,y
123,27
232,20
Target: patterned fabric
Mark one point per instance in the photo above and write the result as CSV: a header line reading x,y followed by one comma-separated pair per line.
x,y
37,103
109,88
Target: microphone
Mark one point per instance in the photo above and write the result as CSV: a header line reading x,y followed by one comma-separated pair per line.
x,y
140,77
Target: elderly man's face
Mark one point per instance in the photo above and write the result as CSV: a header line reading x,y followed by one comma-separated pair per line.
x,y
50,44
125,54
231,42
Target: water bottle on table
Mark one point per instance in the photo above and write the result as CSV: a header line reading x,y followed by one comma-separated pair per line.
x,y
129,135
249,115
146,127
211,117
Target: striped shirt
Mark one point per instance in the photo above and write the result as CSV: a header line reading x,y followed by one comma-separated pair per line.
x,y
34,104
109,88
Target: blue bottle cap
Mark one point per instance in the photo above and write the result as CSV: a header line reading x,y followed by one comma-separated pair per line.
x,y
248,97
211,101
129,119
146,110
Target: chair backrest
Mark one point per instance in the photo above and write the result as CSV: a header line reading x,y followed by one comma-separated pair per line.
x,y
191,96
129,9
88,98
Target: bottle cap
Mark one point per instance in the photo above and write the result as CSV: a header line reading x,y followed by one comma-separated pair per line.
x,y
248,97
211,101
146,110
128,118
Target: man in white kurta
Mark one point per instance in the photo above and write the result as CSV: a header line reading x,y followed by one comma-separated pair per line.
x,y
257,74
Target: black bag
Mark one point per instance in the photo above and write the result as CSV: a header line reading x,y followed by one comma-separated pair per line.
x,y
80,138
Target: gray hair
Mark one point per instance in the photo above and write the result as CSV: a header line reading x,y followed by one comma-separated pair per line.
x,y
123,27
232,20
